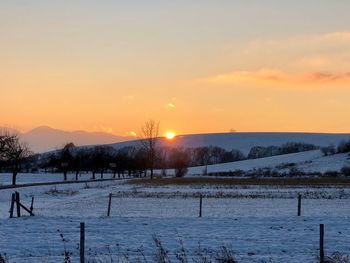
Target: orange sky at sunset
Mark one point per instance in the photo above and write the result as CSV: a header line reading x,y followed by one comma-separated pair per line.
x,y
197,67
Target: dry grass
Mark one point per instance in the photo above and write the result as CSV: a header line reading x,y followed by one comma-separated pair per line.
x,y
323,181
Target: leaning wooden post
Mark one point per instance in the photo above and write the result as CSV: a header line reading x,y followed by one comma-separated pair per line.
x,y
200,204
18,205
32,205
13,197
109,204
82,242
299,204
321,243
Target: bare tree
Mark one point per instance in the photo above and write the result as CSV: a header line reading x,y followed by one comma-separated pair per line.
x,y
149,141
66,158
13,152
179,160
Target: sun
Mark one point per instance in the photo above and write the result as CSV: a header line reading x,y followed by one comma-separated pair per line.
x,y
169,135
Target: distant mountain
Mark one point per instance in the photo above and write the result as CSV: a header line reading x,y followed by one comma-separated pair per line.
x,y
244,141
43,139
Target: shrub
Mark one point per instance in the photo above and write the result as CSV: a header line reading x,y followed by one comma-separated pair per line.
x,y
328,150
295,172
345,170
225,255
337,257
181,171
331,173
344,146
3,258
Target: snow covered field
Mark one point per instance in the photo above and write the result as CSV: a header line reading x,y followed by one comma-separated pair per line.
x,y
309,161
27,178
260,229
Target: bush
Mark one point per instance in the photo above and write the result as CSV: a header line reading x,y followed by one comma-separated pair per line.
x,y
344,146
345,170
181,171
331,174
290,147
329,150
295,172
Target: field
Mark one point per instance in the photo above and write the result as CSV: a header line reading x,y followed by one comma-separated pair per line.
x,y
259,223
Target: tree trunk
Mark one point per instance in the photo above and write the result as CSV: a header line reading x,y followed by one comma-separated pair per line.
x,y
65,175
76,175
93,175
14,177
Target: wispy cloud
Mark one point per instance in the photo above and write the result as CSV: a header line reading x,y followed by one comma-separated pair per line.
x,y
273,76
171,105
131,133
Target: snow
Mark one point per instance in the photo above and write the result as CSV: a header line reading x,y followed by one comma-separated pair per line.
x,y
260,229
284,239
244,141
26,178
309,161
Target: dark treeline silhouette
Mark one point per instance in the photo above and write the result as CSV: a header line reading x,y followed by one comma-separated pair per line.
x,y
131,160
290,147
134,161
343,147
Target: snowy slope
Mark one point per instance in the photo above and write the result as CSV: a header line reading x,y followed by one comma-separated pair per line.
x,y
245,141
310,161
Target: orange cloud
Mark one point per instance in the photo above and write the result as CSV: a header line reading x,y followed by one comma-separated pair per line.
x,y
278,77
171,105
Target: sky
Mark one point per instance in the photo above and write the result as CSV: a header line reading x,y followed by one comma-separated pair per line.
x,y
196,66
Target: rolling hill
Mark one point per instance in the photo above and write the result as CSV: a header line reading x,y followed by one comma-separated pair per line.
x,y
43,139
245,141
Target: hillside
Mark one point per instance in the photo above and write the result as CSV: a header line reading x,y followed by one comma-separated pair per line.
x,y
245,141
308,162
43,139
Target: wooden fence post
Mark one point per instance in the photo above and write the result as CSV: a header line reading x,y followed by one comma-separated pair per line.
x,y
32,205
321,243
82,242
299,204
109,204
200,204
13,197
18,204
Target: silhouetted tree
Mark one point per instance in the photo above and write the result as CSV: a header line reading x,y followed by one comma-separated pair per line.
x,y
100,158
344,146
78,158
149,142
66,158
328,150
13,152
180,162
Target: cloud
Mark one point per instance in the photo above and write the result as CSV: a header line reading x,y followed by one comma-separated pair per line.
x,y
314,61
341,35
132,134
171,105
301,60
273,76
313,52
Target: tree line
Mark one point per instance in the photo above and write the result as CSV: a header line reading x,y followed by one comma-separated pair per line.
x,y
137,161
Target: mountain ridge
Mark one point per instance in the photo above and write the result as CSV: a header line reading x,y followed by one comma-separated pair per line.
x,y
44,138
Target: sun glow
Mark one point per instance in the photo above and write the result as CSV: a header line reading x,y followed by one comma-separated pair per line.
x,y
169,135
